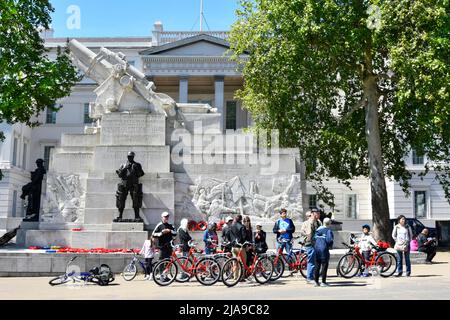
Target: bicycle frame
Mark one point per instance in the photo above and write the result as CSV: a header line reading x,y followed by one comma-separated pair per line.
x,y
358,255
184,266
293,264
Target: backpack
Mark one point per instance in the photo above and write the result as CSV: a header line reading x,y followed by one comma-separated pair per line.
x,y
105,275
320,243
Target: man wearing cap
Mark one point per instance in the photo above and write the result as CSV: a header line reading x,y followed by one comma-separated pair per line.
x,y
284,228
226,229
307,231
130,173
164,232
33,191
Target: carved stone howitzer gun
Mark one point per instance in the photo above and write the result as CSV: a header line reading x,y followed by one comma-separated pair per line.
x,y
122,87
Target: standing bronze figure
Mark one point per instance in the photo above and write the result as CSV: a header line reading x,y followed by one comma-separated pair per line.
x,y
33,191
130,173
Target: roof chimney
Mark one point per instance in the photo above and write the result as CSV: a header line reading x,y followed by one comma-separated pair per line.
x,y
156,33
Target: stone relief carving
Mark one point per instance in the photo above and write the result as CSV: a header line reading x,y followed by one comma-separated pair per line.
x,y
213,198
63,199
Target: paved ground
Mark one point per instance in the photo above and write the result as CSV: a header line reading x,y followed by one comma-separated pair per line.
x,y
427,282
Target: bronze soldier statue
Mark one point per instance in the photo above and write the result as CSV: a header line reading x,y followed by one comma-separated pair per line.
x,y
33,191
130,173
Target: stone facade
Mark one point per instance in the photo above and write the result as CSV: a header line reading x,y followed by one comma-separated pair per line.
x,y
191,68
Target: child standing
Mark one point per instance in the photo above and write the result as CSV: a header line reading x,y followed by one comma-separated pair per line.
x,y
323,242
366,243
148,251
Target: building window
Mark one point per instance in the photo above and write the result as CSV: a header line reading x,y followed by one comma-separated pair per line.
x,y
87,118
312,198
50,116
132,63
420,204
47,154
231,115
15,147
417,158
24,155
350,206
14,204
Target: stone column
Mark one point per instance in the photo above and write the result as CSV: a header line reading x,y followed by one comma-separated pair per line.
x,y
184,84
219,87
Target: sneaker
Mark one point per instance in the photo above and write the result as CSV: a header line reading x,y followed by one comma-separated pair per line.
x,y
398,275
324,284
146,277
408,274
365,275
316,284
428,262
309,281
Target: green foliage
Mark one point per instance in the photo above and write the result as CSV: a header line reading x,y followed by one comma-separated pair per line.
x,y
308,60
29,80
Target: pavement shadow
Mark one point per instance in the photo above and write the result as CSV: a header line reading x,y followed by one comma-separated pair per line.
x,y
346,284
439,262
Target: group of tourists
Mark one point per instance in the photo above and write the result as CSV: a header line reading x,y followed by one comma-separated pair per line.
x,y
316,237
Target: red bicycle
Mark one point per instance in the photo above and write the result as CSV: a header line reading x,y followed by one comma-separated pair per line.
x,y
353,262
236,269
294,261
181,269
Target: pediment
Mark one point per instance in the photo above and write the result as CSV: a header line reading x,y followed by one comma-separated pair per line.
x,y
202,45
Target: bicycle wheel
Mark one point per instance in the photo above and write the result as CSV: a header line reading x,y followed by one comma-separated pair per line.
x,y
59,280
129,272
165,272
278,267
184,265
232,272
348,265
221,259
303,265
207,271
263,269
387,263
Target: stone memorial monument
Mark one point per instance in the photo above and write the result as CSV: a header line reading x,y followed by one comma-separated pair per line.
x,y
82,197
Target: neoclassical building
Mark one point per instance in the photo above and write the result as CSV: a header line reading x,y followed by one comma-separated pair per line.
x,y
190,67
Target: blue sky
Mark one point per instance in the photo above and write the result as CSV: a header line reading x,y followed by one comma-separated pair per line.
x,y
136,17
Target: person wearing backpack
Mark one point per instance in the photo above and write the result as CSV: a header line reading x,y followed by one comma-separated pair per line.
x,y
402,234
323,242
307,232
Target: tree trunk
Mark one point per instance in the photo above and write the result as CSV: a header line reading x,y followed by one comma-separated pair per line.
x,y
380,208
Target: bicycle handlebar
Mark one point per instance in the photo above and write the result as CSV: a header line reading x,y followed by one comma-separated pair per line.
x,y
243,244
192,243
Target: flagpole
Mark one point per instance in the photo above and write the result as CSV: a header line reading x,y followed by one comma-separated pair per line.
x,y
201,15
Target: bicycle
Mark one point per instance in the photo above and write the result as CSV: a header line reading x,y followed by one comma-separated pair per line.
x,y
353,262
130,271
294,261
236,269
205,269
101,276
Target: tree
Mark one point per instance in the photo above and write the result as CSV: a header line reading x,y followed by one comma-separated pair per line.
x,y
29,80
354,84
